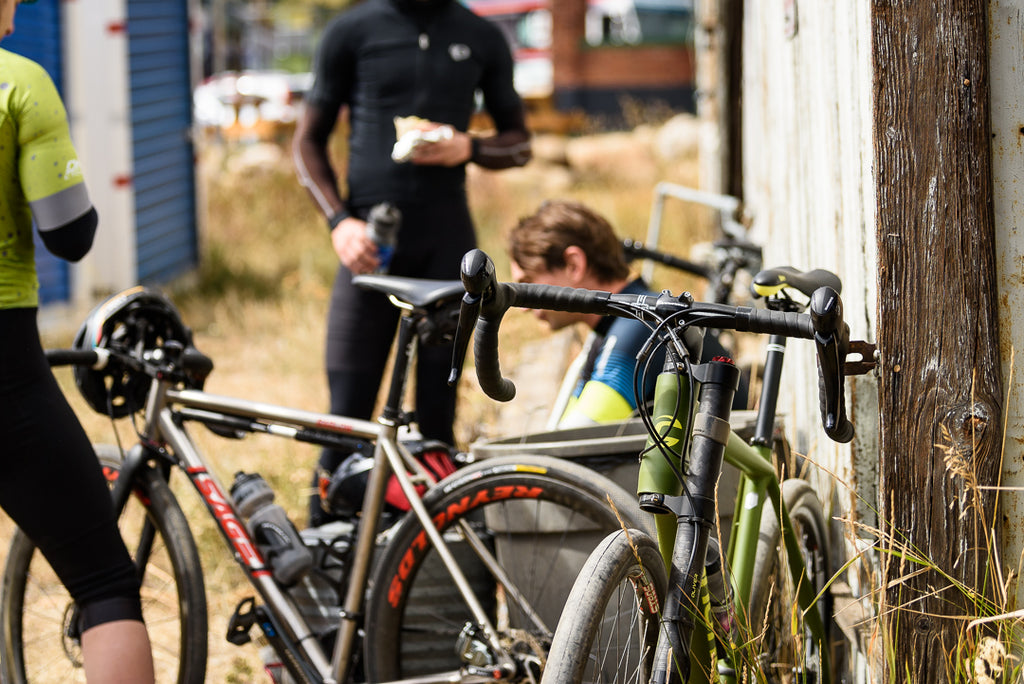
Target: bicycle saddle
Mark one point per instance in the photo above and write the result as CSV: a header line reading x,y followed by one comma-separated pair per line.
x,y
773,280
419,292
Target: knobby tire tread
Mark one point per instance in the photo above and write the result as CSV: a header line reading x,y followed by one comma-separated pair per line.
x,y
608,593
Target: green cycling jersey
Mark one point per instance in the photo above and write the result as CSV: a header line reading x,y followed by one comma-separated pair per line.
x,y
40,175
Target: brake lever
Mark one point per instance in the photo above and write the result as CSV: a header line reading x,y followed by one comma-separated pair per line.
x,y
832,339
477,272
469,311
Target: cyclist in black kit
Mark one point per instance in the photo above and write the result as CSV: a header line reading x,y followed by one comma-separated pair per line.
x,y
52,486
380,60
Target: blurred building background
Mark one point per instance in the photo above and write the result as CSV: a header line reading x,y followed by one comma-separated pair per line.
x,y
145,80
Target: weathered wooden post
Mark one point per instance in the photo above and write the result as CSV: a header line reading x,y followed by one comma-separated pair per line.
x,y
940,390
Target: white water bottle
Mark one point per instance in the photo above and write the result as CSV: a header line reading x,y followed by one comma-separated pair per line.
x,y
382,227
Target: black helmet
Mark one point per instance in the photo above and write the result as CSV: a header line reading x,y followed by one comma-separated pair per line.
x,y
131,322
344,493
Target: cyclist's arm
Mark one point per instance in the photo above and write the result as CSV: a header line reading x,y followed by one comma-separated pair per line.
x,y
312,163
334,68
510,145
73,240
50,173
502,150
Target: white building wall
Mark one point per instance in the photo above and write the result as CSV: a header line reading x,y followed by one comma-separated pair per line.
x,y
808,187
96,74
1006,59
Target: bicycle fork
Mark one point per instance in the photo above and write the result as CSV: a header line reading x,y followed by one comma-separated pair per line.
x,y
695,519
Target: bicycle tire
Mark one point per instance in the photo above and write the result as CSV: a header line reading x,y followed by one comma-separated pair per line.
x,y
609,632
36,607
415,613
780,655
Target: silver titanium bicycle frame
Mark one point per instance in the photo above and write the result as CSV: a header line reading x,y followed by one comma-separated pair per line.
x,y
164,425
167,409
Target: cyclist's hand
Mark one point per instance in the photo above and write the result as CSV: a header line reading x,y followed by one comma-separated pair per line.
x,y
355,250
449,152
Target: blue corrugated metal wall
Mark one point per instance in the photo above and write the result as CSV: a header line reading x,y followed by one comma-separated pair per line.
x,y
161,105
37,36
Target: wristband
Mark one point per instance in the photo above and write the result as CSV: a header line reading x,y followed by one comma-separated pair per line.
x,y
337,217
474,148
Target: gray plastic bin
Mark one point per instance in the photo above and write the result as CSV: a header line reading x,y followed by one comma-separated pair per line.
x,y
613,450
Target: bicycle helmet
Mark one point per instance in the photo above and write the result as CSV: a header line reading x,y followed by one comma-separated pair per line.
x,y
131,322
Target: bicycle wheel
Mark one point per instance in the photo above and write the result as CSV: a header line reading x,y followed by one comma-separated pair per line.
x,y
540,516
609,631
38,640
788,654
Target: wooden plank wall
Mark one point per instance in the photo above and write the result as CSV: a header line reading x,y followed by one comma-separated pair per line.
x,y
809,187
807,184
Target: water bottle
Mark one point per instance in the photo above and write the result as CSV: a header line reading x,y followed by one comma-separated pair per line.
x,y
382,227
275,536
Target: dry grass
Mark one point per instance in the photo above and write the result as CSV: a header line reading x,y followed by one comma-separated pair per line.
x,y
258,305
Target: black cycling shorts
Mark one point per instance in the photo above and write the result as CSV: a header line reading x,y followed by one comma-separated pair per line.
x,y
52,485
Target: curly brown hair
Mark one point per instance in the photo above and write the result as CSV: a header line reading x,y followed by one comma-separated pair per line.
x,y
538,242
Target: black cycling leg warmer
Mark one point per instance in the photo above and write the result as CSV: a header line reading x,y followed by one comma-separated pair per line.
x,y
109,610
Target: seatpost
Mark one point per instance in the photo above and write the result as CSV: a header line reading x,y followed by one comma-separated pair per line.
x,y
404,350
772,380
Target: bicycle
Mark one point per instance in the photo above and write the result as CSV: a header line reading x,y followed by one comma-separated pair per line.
x,y
666,609
726,259
429,599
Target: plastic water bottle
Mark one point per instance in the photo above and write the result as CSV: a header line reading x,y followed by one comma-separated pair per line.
x,y
382,227
275,535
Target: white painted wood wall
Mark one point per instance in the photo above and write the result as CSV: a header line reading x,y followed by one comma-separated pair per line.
x,y
1006,60
809,186
806,94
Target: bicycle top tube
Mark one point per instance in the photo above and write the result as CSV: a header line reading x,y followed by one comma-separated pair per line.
x,y
486,301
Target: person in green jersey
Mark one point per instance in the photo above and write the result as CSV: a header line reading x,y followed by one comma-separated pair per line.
x,y
52,486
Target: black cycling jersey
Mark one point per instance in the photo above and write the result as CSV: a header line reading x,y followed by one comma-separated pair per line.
x,y
396,58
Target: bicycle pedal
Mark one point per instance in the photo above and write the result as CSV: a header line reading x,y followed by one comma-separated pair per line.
x,y
242,621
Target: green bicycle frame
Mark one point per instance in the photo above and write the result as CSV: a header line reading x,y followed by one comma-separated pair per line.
x,y
758,484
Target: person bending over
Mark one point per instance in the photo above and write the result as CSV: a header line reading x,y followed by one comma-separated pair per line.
x,y
568,244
